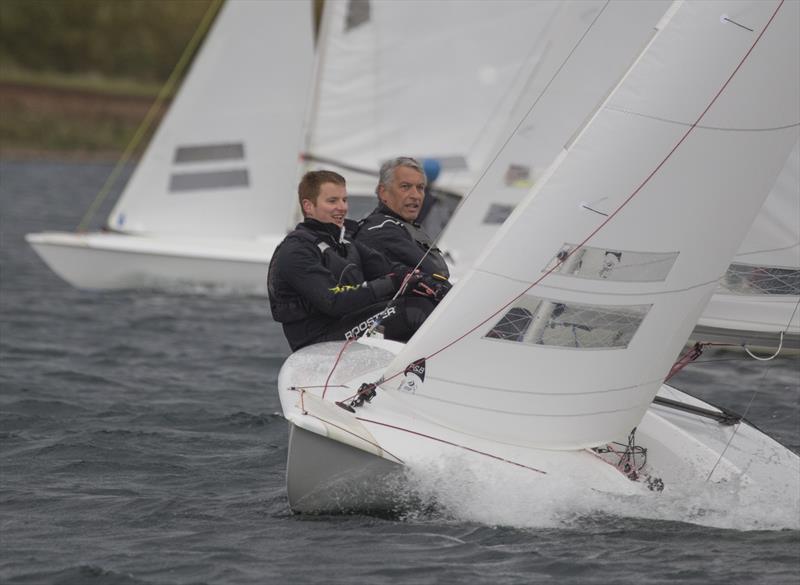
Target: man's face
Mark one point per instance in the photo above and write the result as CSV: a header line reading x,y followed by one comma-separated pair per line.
x,y
404,194
331,206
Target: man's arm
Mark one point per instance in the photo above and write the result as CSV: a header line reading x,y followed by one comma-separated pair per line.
x,y
316,284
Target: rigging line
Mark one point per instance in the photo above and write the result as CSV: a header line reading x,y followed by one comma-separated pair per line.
x,y
764,359
336,363
349,432
147,122
446,442
622,205
780,344
523,66
375,323
739,424
522,120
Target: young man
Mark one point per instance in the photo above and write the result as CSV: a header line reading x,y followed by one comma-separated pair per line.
x,y
392,227
322,287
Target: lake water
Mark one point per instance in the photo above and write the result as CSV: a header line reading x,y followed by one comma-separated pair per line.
x,y
141,444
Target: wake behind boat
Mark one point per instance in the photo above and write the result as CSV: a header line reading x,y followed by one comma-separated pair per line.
x,y
553,360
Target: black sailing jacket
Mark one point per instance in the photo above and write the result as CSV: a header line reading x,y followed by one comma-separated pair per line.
x,y
400,241
317,276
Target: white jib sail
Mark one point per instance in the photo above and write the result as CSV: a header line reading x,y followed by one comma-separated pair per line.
x,y
586,52
420,78
223,163
659,190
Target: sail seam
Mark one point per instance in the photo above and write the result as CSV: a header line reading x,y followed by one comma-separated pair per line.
x,y
531,393
700,126
484,408
627,294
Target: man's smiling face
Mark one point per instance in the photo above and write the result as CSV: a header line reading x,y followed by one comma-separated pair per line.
x,y
331,205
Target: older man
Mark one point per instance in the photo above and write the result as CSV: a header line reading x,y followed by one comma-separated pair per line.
x,y
392,227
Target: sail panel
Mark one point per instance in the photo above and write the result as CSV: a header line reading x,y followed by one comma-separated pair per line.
x,y
660,186
423,79
223,163
579,68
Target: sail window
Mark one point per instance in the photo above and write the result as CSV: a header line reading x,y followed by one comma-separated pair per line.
x,y
747,279
497,214
209,153
537,321
210,180
613,265
513,325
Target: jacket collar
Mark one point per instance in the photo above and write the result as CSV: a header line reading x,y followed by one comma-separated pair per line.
x,y
382,208
330,230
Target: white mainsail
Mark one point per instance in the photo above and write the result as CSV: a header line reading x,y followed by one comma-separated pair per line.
x,y
419,78
223,161
592,286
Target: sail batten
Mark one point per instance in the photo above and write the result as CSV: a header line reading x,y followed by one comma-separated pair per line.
x,y
661,188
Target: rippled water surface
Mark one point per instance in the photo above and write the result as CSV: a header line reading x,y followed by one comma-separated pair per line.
x,y
141,445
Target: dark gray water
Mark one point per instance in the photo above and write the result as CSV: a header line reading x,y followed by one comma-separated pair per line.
x,y
140,445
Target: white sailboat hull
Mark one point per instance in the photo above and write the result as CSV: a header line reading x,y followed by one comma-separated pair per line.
x,y
116,261
341,461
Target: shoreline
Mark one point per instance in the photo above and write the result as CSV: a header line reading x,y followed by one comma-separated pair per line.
x,y
42,122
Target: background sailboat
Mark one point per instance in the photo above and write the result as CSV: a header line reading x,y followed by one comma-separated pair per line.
x,y
537,360
418,78
213,193
758,300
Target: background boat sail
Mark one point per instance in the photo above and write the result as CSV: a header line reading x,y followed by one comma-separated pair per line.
x,y
212,195
557,341
425,79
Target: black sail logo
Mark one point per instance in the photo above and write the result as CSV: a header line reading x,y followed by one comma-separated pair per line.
x,y
414,376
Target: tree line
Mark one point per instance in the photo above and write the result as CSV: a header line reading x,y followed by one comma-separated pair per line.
x,y
133,39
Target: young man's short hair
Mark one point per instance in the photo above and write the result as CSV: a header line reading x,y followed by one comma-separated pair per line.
x,y
312,181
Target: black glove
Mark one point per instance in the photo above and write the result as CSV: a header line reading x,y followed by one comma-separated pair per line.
x,y
432,286
404,280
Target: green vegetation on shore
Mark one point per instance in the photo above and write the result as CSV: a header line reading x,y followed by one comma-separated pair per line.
x,y
77,77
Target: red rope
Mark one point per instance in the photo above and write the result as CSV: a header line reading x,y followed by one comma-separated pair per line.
x,y
336,363
446,442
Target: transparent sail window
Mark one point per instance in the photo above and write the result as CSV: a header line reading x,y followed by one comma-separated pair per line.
x,y
745,279
537,321
613,265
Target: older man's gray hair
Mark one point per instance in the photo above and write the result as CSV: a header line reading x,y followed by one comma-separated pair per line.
x,y
387,169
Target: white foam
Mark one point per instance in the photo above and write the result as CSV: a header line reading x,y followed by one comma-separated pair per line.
x,y
472,489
